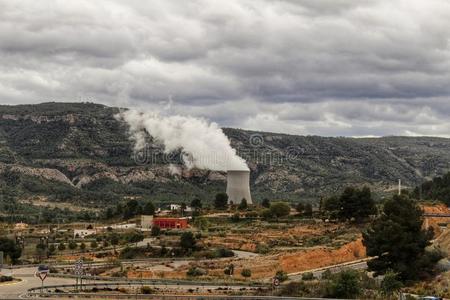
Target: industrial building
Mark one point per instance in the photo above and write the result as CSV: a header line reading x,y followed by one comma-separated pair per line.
x,y
238,186
171,223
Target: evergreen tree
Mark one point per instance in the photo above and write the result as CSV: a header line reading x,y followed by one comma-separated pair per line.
x,y
265,203
196,203
243,205
10,249
221,201
187,240
308,210
149,208
398,241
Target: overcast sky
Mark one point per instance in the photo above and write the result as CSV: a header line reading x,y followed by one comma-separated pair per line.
x,y
325,67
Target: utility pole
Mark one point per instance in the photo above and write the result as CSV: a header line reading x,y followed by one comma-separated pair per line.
x,y
399,187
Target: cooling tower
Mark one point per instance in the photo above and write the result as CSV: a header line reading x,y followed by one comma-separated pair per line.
x,y
238,186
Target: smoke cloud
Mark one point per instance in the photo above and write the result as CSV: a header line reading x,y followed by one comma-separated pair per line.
x,y
203,143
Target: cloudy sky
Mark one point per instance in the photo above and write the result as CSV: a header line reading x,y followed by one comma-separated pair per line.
x,y
326,67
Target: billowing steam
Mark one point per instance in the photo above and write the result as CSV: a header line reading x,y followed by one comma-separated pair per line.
x,y
204,143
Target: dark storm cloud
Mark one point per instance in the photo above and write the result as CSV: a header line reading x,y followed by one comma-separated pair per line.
x,y
330,67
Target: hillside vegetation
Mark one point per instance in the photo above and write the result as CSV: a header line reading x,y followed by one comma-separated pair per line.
x,y
79,152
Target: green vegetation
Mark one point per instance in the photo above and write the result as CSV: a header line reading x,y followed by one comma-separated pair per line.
x,y
353,204
10,249
345,285
436,189
247,273
398,241
188,241
221,201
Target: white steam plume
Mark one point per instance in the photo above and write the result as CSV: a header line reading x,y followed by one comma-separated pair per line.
x,y
205,144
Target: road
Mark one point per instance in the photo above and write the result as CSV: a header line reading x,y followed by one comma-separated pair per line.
x,y
28,280
14,290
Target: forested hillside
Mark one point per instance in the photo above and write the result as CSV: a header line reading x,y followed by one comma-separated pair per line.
x,y
80,153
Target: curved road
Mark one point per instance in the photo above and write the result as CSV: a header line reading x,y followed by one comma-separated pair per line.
x,y
15,290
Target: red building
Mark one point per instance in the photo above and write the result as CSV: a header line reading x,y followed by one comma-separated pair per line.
x,y
167,223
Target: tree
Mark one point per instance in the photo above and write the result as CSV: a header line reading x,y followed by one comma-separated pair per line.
x,y
246,273
41,251
72,245
51,249
131,209
308,210
94,245
149,208
196,204
187,240
243,205
397,240
390,284
352,204
265,203
332,206
114,240
279,209
182,208
221,201
134,237
109,214
61,246
82,246
300,207
10,249
156,230
229,270
345,284
281,276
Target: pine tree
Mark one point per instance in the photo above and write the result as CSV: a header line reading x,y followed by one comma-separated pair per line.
x,y
398,241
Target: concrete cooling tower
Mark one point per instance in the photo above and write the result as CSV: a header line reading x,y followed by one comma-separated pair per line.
x,y
238,186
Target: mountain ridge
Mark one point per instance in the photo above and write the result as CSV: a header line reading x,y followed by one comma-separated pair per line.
x,y
92,149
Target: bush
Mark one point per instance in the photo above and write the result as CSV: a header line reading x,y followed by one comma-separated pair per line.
x,y
61,246
308,276
147,290
294,289
187,240
223,252
246,273
4,278
281,276
345,285
262,248
195,271
156,230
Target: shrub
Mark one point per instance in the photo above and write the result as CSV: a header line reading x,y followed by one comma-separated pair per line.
x,y
308,276
156,231
281,276
294,289
345,285
61,247
262,248
246,273
147,290
4,278
195,271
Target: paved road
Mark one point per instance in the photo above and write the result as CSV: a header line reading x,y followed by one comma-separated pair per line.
x,y
28,281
